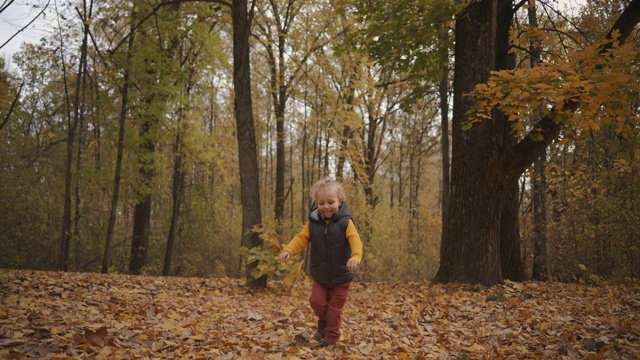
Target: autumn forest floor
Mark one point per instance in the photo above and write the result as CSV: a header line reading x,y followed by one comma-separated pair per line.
x,y
92,316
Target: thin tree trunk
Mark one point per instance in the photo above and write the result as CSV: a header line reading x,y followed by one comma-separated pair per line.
x,y
540,219
178,176
444,143
342,155
325,166
142,211
113,211
292,181
304,172
12,107
65,242
78,198
87,14
347,133
399,174
539,182
176,196
279,105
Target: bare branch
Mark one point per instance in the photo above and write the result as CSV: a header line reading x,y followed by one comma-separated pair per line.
x,y
5,5
13,104
26,26
517,6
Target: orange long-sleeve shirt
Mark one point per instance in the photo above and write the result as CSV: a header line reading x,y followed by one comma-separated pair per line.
x,y
303,238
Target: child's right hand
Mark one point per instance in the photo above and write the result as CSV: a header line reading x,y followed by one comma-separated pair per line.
x,y
284,256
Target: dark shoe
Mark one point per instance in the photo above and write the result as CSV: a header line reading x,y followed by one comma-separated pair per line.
x,y
319,335
324,344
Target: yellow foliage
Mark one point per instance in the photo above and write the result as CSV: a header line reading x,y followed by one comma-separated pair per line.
x,y
603,85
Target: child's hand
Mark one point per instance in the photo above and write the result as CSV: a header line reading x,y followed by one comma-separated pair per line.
x,y
352,265
284,256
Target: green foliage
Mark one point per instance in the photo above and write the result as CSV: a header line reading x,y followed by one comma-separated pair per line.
x,y
405,35
601,83
411,40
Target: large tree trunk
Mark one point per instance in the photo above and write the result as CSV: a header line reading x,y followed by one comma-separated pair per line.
x,y
472,251
484,165
511,260
510,250
247,153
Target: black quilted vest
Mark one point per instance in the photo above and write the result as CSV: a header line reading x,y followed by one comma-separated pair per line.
x,y
330,249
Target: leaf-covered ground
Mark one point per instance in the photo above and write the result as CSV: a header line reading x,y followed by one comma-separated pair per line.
x,y
83,315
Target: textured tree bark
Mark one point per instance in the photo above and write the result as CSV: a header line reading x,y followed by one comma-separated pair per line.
x,y
511,259
485,164
140,238
246,135
471,253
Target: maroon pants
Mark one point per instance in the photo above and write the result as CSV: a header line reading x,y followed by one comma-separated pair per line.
x,y
327,302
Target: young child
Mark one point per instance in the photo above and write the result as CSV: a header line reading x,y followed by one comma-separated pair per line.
x,y
336,251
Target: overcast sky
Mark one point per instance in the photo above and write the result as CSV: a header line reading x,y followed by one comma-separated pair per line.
x,y
15,17
21,12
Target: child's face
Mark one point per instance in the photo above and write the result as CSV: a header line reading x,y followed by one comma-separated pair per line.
x,y
328,202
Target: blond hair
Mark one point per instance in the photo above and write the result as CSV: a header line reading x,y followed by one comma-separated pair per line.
x,y
326,184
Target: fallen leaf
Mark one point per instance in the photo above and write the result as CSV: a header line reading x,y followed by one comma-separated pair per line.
x,y
123,317
96,338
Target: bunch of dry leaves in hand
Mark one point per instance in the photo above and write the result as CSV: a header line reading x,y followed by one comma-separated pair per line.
x,y
54,315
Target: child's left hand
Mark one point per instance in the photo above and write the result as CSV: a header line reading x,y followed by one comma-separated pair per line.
x,y
352,265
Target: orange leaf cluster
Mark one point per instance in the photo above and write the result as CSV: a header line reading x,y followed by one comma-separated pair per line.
x,y
53,315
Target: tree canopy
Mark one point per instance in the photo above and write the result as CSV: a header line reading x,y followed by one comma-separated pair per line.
x,y
181,137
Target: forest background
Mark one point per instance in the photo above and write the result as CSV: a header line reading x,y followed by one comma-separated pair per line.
x,y
119,145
